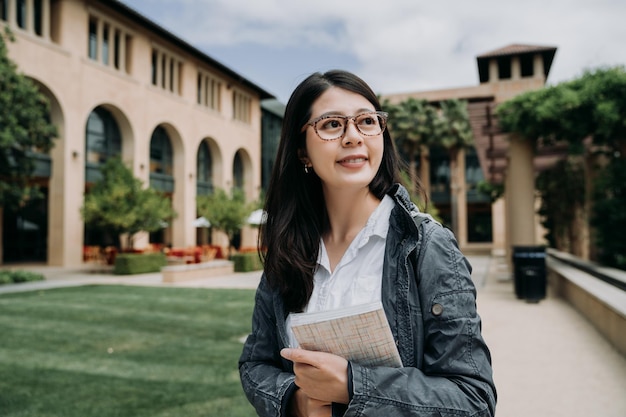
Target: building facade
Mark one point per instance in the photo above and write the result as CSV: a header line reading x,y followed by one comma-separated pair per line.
x,y
496,157
120,85
273,112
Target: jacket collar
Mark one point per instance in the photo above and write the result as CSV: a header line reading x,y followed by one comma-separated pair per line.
x,y
403,199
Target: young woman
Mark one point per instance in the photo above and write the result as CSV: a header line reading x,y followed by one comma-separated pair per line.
x,y
341,231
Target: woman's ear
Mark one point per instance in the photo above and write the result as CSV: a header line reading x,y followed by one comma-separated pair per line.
x,y
303,157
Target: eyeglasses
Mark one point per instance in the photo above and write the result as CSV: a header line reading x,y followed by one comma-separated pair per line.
x,y
332,127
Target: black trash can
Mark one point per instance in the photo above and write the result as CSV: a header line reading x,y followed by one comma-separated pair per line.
x,y
529,272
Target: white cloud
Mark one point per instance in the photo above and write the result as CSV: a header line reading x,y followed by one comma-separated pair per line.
x,y
404,45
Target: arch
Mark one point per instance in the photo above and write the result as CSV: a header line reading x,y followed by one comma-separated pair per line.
x,y
167,165
24,231
107,134
43,162
208,166
162,160
243,172
204,170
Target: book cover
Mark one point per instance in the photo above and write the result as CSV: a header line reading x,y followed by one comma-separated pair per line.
x,y
359,333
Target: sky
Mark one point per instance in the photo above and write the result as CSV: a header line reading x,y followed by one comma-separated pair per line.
x,y
394,45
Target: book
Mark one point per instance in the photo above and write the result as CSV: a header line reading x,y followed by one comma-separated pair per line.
x,y
358,333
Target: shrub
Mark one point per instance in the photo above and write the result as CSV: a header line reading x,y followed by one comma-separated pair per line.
x,y
609,216
13,277
248,261
134,263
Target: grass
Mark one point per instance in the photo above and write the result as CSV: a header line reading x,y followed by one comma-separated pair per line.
x,y
104,351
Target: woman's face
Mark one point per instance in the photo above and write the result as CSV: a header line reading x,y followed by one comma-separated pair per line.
x,y
353,160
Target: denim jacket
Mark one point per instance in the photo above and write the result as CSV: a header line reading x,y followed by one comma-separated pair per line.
x,y
430,303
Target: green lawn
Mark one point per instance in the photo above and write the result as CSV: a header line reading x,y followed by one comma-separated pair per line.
x,y
100,351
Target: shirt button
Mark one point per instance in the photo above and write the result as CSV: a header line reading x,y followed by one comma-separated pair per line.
x,y
437,309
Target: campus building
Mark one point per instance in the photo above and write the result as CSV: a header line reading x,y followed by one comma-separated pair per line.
x,y
496,157
120,85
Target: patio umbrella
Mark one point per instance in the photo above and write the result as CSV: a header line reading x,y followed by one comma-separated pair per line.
x,y
257,217
201,222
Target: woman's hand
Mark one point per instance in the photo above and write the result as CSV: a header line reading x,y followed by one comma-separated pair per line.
x,y
303,406
319,375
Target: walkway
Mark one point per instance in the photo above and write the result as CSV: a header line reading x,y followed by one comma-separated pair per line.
x,y
548,360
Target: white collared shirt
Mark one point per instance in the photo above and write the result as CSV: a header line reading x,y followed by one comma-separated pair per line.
x,y
357,278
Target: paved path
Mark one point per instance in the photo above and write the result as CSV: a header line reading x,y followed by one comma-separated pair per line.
x,y
548,360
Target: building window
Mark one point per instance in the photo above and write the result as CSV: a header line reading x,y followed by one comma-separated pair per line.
x,y
209,92
527,64
238,178
105,44
93,40
242,107
108,44
4,12
38,15
32,16
21,14
155,58
161,161
166,70
504,68
103,141
103,136
204,170
160,152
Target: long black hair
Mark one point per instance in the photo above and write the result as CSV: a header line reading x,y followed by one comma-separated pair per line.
x,y
295,206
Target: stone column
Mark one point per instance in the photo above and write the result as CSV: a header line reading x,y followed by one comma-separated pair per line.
x,y
30,16
122,52
45,19
493,71
538,67
99,40
12,13
520,192
461,199
516,68
425,169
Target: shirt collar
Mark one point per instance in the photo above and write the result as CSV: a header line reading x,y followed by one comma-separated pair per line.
x,y
377,225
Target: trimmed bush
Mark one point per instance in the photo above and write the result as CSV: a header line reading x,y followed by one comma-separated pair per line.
x,y
14,277
138,263
245,262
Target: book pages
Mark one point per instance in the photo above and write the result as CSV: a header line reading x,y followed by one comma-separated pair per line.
x,y
358,333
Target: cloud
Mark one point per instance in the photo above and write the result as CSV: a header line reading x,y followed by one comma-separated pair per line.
x,y
402,45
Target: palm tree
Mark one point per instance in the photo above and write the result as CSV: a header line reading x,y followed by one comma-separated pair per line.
x,y
412,123
454,134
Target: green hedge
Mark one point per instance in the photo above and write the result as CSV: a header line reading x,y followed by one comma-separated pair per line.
x,y
138,263
245,262
13,277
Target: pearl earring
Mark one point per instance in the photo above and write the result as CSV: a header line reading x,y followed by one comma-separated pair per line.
x,y
306,169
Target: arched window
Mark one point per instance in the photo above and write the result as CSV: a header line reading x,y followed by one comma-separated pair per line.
x,y
204,170
103,141
161,157
238,171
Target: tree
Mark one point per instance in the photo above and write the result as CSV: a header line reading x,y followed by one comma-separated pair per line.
x,y
226,213
454,134
609,215
413,124
120,203
25,129
589,115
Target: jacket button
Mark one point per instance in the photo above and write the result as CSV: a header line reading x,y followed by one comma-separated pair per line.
x,y
437,309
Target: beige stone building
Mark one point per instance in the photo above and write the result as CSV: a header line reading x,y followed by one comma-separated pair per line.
x,y
121,85
503,74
